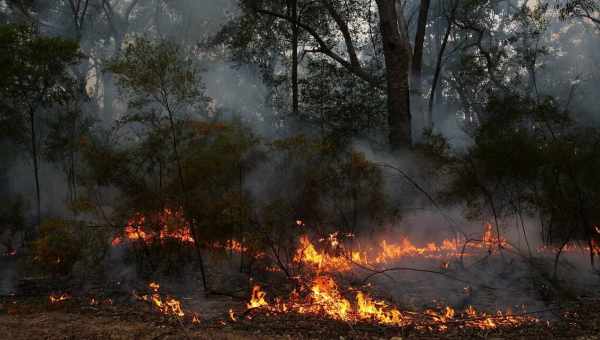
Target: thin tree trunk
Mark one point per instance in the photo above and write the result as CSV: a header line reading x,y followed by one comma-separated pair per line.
x,y
417,63
34,155
397,58
438,65
294,11
185,196
108,98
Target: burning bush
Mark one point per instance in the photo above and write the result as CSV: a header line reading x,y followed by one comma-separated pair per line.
x,y
69,247
58,246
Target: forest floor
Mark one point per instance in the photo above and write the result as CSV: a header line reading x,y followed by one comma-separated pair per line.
x,y
34,318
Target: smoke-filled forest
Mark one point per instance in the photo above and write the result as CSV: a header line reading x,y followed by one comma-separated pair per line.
x,y
299,169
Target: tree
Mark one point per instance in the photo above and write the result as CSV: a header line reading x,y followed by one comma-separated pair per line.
x,y
585,9
162,83
118,24
68,130
417,62
34,80
322,21
396,51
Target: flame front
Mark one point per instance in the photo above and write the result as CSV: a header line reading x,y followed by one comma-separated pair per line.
x,y
324,298
321,296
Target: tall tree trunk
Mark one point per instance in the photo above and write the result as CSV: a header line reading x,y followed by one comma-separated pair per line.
x,y
36,174
108,83
417,64
294,14
108,97
438,65
397,58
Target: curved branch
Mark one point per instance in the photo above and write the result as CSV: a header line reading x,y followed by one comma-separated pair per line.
x,y
325,49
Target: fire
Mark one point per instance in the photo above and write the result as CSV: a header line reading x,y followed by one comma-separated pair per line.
x,y
321,296
308,254
336,258
232,315
168,306
195,319
57,298
324,298
257,299
376,310
170,224
235,246
405,248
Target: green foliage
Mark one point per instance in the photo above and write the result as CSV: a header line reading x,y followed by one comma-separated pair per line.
x,y
160,76
340,105
330,187
529,158
218,158
34,71
34,80
69,247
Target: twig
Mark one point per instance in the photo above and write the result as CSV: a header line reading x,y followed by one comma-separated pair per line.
x,y
377,272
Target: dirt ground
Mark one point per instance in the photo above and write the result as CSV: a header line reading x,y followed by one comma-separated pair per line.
x,y
35,318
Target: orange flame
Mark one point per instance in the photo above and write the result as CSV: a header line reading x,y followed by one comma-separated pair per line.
x,y
168,306
171,224
323,297
257,299
57,298
232,315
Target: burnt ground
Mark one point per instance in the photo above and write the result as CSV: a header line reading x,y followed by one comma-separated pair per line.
x,y
35,318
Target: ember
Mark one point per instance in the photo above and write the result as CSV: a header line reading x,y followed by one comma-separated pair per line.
x,y
57,298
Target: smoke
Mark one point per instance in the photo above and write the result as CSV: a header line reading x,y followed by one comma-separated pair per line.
x,y
493,282
53,186
8,276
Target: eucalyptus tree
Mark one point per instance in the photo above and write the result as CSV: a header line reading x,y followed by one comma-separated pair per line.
x,y
352,35
162,84
34,81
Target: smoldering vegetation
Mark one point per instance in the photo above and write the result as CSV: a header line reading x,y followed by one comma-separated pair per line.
x,y
217,145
